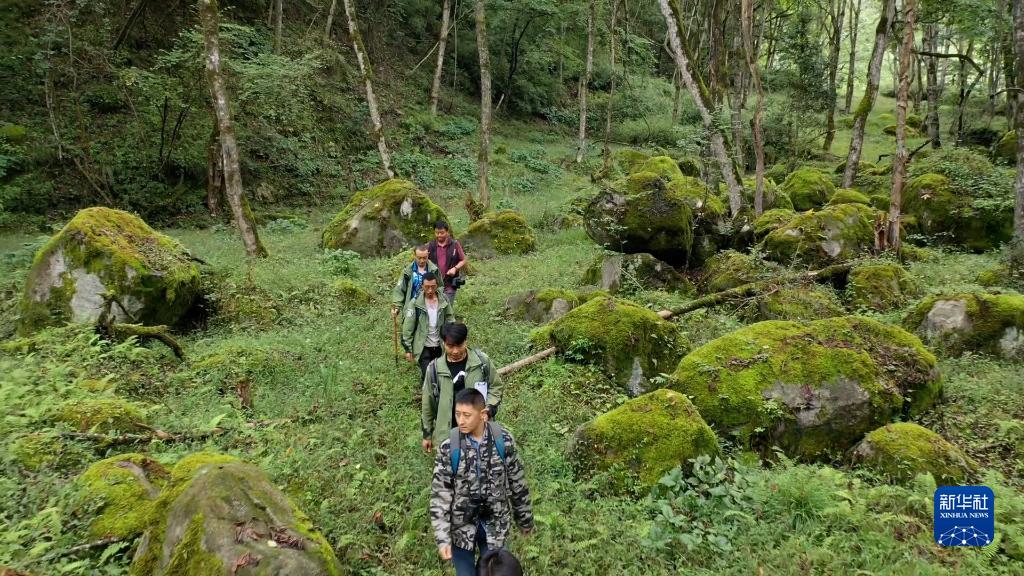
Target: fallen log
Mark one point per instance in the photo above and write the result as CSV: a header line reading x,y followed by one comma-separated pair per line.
x,y
143,333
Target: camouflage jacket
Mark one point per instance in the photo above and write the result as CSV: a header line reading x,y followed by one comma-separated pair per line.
x,y
503,484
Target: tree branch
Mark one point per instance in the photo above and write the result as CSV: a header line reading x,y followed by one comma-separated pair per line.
x,y
961,57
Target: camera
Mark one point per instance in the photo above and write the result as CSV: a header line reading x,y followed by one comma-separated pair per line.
x,y
457,281
477,509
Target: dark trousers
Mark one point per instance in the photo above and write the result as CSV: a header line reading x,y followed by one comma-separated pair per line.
x,y
425,358
465,560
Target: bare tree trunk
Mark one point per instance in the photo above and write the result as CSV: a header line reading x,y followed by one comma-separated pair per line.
x,y
919,78
585,81
330,22
931,44
899,164
1018,45
702,101
214,173
612,39
677,99
442,39
367,73
837,15
957,128
747,22
477,208
232,171
1009,68
736,102
278,17
860,117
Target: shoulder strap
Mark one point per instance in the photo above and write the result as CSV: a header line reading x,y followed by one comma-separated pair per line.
x,y
499,438
435,388
485,365
455,443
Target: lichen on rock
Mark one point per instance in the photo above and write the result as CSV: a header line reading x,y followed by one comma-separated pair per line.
x,y
822,237
975,321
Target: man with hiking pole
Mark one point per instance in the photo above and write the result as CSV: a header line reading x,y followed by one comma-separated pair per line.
x,y
423,324
408,287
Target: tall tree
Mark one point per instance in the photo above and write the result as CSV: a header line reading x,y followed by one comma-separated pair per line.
x,y
702,100
747,22
371,100
612,40
229,145
931,44
330,21
867,102
1018,47
899,163
442,39
278,18
837,13
581,149
854,23
476,208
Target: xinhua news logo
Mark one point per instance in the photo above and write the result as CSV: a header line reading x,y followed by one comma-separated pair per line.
x,y
964,516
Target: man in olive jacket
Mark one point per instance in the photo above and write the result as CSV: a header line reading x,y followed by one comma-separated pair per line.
x,y
460,367
410,283
423,324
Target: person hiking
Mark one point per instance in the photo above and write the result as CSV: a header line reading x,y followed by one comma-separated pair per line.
x,y
478,488
447,254
498,562
411,281
424,319
458,368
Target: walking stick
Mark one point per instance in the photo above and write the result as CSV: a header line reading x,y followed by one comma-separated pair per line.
x,y
394,338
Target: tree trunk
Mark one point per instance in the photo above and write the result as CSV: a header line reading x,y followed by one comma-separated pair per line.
x,y
899,164
867,102
367,73
747,22
854,23
278,17
330,22
919,78
585,81
442,39
477,208
1018,45
1009,68
612,39
931,44
232,171
837,17
677,99
214,173
736,103
957,129
705,106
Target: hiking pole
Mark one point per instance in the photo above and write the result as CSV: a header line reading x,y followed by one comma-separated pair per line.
x,y
394,334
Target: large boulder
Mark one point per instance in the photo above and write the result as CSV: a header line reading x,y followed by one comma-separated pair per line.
x,y
106,260
774,198
100,414
771,220
502,232
902,450
641,440
617,272
125,489
979,322
849,196
809,302
383,220
674,219
808,188
822,237
218,516
929,200
880,286
632,344
730,269
540,306
812,388
1005,151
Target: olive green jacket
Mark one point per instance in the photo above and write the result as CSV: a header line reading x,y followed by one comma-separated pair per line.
x,y
416,322
436,412
401,294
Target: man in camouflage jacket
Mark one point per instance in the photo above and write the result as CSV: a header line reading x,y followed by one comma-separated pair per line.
x,y
472,508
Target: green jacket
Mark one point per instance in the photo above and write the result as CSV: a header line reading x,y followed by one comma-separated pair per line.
x,y
416,322
401,294
436,415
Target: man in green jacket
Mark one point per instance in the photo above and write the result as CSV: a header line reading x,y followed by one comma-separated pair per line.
x,y
460,367
411,281
425,318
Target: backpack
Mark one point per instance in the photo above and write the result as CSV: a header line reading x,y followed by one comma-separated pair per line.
x,y
454,439
435,387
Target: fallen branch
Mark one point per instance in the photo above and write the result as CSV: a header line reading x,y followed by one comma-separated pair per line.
x,y
547,352
123,331
109,440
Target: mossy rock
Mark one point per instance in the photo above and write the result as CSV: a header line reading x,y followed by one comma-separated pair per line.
x,y
214,510
540,306
862,167
729,269
1005,151
104,254
774,197
664,166
812,388
999,275
631,344
889,130
848,196
886,117
901,451
880,286
101,415
13,133
771,220
350,292
974,321
777,172
499,233
690,166
822,237
628,161
125,488
383,220
643,439
46,450
880,202
809,302
930,200
616,272
808,188
915,122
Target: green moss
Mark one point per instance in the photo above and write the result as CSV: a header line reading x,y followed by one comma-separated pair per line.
x,y
811,388
617,272
37,451
100,415
880,202
848,196
350,292
930,200
690,166
771,220
994,323
862,167
628,161
808,188
880,286
777,172
794,303
821,237
502,232
663,166
903,450
125,502
998,275
190,558
374,223
1005,151
915,121
774,198
13,133
643,439
729,269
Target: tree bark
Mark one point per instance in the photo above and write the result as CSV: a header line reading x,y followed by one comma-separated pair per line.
x,y
232,170
736,102
330,21
442,39
214,173
367,73
867,102
477,208
1018,46
581,149
612,39
899,163
931,44
278,27
747,22
838,14
705,106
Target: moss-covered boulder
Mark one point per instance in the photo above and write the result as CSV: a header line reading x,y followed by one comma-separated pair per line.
x,y
101,414
664,166
13,133
821,237
729,269
41,450
1000,275
125,489
1005,151
349,292
915,121
106,259
979,322
771,220
901,451
616,272
215,511
540,306
640,441
880,286
862,167
808,188
929,199
498,233
848,196
628,161
812,388
690,166
383,220
810,302
774,197
631,344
